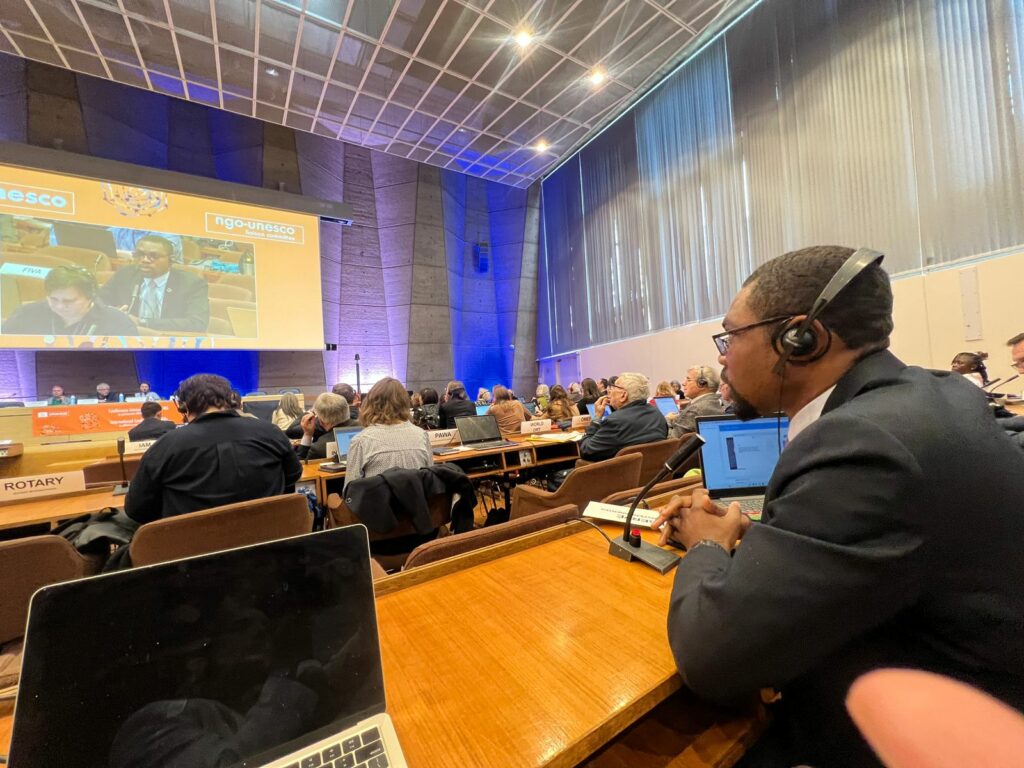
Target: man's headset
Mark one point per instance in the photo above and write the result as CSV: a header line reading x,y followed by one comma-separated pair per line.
x,y
702,379
798,343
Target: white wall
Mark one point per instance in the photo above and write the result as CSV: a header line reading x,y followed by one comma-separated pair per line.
x,y
928,314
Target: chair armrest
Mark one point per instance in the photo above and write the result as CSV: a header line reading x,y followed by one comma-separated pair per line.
x,y
526,500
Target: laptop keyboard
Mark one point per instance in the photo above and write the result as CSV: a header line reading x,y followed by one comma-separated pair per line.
x,y
362,750
750,504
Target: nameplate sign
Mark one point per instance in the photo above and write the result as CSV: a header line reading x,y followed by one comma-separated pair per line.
x,y
580,421
136,447
535,426
37,486
24,270
443,436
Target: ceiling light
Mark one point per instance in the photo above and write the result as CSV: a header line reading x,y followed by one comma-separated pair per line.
x,y
271,71
541,146
523,38
597,77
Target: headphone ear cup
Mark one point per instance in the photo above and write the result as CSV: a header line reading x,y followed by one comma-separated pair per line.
x,y
799,344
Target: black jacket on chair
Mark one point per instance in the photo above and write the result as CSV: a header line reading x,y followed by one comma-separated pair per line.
x,y
379,501
891,538
632,424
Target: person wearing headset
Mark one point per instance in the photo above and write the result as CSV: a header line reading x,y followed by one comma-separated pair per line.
x,y
71,308
701,390
891,527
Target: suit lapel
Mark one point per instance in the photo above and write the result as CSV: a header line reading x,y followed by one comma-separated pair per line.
x,y
869,372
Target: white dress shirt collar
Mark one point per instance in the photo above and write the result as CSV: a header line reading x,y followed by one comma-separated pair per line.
x,y
807,415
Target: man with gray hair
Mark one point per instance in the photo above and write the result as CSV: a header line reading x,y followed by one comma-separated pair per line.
x,y
632,422
329,411
701,388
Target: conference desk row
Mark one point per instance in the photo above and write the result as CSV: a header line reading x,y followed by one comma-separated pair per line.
x,y
541,651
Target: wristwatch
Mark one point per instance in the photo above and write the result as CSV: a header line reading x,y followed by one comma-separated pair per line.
x,y
707,543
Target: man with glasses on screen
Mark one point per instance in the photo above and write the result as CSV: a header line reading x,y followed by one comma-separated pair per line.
x,y
892,522
156,294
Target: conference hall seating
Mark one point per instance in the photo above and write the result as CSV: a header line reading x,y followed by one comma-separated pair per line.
x,y
583,485
108,471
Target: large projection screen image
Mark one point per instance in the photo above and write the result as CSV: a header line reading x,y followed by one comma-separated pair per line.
x,y
91,264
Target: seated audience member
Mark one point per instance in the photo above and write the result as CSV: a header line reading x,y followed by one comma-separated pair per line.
x,y
575,391
725,393
239,406
701,390
972,366
219,458
426,413
664,389
103,393
146,392
891,530
508,411
329,411
157,294
71,307
388,440
677,389
560,407
633,421
483,396
57,396
288,410
602,386
31,233
456,403
151,426
541,397
590,395
351,397
1016,345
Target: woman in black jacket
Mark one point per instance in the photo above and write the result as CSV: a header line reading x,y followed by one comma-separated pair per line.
x,y
456,403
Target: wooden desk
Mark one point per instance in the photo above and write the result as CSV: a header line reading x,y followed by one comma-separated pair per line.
x,y
54,510
538,652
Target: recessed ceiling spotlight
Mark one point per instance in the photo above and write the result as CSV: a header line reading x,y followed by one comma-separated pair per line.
x,y
541,146
597,77
523,38
272,71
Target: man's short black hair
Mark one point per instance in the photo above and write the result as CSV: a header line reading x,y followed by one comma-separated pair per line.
x,y
166,244
203,391
861,315
79,278
150,409
1015,340
345,390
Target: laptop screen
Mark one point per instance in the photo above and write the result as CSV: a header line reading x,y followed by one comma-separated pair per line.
x,y
666,405
477,429
344,436
230,659
481,410
740,455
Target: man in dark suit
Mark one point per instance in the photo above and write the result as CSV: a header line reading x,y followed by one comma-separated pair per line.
x,y
156,295
892,522
151,426
633,421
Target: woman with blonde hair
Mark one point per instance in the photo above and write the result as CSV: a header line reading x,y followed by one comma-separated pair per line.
x,y
388,440
509,412
287,411
560,407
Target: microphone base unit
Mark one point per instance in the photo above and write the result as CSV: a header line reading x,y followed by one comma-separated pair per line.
x,y
657,558
120,490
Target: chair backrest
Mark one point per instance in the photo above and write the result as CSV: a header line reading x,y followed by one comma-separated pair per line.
x,y
584,484
230,278
218,326
219,307
289,391
675,485
84,257
654,456
26,565
338,514
108,471
450,546
230,292
255,393
212,530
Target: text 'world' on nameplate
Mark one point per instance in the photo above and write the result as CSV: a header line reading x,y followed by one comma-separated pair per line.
x,y
535,426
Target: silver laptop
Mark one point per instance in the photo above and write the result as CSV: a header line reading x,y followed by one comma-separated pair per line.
x,y
264,656
481,433
739,457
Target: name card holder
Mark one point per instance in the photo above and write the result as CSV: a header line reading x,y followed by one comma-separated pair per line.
x,y
139,446
29,487
439,437
580,421
535,426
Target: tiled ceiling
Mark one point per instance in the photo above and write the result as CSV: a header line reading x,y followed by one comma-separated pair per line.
x,y
438,81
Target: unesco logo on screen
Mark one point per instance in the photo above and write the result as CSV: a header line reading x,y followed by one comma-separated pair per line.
x,y
36,198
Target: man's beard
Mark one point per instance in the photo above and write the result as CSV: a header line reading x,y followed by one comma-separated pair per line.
x,y
741,407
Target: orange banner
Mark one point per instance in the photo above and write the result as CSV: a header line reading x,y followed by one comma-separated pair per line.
x,y
59,420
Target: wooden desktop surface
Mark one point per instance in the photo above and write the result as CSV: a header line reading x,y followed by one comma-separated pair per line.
x,y
539,656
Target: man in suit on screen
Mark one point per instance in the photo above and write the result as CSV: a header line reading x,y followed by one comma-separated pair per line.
x,y
156,294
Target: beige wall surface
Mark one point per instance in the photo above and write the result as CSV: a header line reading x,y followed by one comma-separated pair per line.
x,y
928,314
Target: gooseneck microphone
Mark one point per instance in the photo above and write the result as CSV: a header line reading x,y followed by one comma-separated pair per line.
x,y
630,546
122,489
991,384
359,388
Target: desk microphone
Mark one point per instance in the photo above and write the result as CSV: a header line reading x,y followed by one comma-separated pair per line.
x,y
630,546
992,384
122,489
1005,382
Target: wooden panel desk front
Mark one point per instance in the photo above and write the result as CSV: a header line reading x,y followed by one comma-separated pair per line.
x,y
536,652
54,510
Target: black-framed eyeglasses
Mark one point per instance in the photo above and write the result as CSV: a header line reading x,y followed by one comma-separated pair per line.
x,y
723,339
148,255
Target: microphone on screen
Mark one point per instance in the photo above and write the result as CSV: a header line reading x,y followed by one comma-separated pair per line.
x,y
992,383
122,489
631,547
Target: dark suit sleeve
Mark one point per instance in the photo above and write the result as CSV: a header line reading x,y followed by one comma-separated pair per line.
x,y
291,463
838,557
117,291
602,439
186,306
144,502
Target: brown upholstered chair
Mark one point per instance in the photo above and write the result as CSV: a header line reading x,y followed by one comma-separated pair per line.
x,y
219,528
220,327
108,471
584,484
229,292
385,547
675,485
450,546
654,456
26,565
219,307
94,261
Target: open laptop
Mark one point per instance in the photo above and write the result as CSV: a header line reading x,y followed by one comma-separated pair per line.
x,y
85,236
481,410
344,436
666,405
259,657
479,433
739,457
